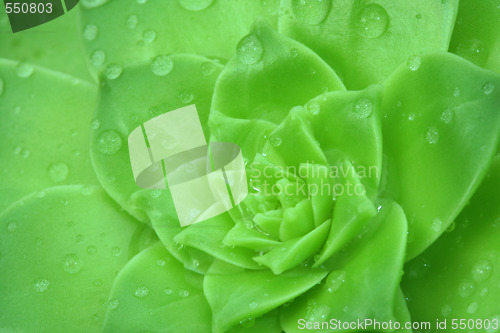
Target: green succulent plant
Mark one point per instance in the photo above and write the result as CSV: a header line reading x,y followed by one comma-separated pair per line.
x,y
392,106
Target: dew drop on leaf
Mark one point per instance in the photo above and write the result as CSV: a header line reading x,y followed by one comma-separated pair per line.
x,y
90,32
183,293
141,291
249,50
109,142
149,36
372,21
432,137
313,107
447,116
207,68
93,3
24,70
91,250
185,96
97,58
270,7
466,289
482,270
363,108
58,172
335,281
72,264
162,65
275,141
41,285
132,22
437,225
113,71
414,63
195,5
12,226
488,88
311,11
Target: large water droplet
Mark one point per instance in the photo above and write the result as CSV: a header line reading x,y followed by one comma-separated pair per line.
x,y
447,116
482,270
414,63
195,5
24,70
372,21
109,142
90,32
141,291
488,88
432,135
97,58
162,65
249,50
311,11
58,172
113,71
363,108
335,280
72,264
41,285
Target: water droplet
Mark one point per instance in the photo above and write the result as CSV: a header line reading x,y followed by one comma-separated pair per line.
x,y
437,225
294,52
80,239
195,5
363,108
160,262
58,172
472,308
488,88
149,36
90,32
183,293
482,270
275,141
372,21
113,71
168,291
93,3
466,288
432,135
472,50
98,283
162,65
447,116
2,86
270,7
91,250
95,124
155,193
24,70
141,291
253,305
97,58
249,50
456,92
86,190
414,63
12,226
313,107
247,323
411,116
132,22
418,16
116,251
109,142
41,285
335,280
311,11
113,304
207,68
185,96
72,264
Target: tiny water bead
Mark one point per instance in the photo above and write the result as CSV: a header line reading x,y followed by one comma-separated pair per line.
x,y
113,304
149,36
311,11
195,5
482,271
72,264
12,226
247,323
207,68
93,3
58,172
363,108
456,92
141,291
414,63
275,141
335,281
97,58
116,251
41,285
488,88
466,289
372,21
249,50
168,291
447,116
90,32
132,21
185,96
113,71
253,305
80,239
294,52
183,293
313,107
162,65
24,70
437,225
109,142
432,136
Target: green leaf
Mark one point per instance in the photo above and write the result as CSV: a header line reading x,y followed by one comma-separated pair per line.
x,y
348,293
363,41
269,75
294,251
457,277
250,294
475,36
440,132
44,121
155,286
54,45
133,32
61,250
136,96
